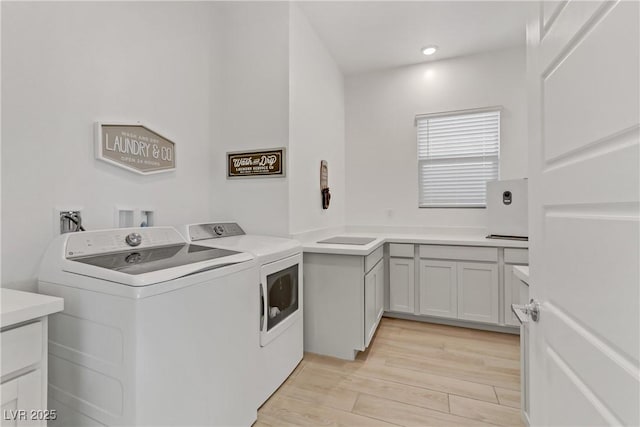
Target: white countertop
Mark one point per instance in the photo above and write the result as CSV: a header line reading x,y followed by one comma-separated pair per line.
x,y
425,239
522,272
18,306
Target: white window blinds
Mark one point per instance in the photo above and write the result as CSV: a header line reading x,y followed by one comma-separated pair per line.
x,y
457,154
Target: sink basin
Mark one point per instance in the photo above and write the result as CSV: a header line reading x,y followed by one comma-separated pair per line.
x,y
348,240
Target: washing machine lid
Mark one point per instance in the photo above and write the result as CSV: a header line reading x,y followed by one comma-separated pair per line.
x,y
160,254
230,236
154,259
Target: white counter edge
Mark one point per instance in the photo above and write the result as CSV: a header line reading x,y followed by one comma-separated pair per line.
x,y
19,306
362,250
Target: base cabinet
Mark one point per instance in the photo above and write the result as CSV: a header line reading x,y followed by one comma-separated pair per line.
x,y
401,285
24,365
344,302
438,288
478,292
463,284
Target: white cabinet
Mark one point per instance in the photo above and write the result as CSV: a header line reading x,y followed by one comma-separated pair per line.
x,y
459,290
23,357
344,301
438,288
455,282
23,394
401,285
515,292
460,282
374,300
478,289
23,354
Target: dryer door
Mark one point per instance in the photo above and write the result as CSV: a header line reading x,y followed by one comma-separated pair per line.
x,y
281,283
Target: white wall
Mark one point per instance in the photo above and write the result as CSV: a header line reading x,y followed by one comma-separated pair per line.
x,y
382,173
251,111
67,65
316,129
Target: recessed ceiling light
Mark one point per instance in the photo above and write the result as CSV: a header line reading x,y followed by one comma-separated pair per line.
x,y
429,50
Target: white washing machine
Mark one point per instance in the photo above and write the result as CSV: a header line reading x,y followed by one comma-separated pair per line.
x,y
155,331
279,287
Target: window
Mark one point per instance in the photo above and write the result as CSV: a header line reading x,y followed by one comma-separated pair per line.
x,y
457,154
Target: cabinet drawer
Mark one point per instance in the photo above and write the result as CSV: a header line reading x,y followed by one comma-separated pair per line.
x,y
401,250
21,347
372,259
516,256
466,253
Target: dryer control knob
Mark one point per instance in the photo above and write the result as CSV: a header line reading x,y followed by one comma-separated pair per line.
x,y
218,230
133,239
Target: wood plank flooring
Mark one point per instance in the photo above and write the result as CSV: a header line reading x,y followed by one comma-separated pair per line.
x,y
413,374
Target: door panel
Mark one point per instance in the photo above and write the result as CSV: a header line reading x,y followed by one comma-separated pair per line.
x,y
584,184
608,273
438,288
568,399
582,350
564,25
401,285
591,88
550,10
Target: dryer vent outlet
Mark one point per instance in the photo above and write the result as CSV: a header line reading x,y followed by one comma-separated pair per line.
x,y
70,221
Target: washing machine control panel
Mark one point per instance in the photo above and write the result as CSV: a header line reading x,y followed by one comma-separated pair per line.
x,y
98,242
214,230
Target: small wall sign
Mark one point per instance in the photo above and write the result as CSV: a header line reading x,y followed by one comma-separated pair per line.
x,y
134,147
256,164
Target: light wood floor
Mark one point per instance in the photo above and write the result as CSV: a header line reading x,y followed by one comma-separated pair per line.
x,y
413,374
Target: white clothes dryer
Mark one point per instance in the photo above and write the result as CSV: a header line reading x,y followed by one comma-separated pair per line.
x,y
279,286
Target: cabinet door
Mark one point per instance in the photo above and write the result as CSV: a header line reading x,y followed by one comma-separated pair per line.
x,y
379,291
401,285
22,394
478,290
373,300
438,289
513,294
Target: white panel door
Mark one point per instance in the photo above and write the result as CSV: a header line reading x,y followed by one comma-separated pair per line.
x,y
438,288
584,82
379,269
478,289
401,285
373,300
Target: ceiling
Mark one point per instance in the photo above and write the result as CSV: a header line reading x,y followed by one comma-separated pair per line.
x,y
369,35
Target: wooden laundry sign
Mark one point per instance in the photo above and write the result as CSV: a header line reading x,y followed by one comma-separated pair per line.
x,y
256,164
134,147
